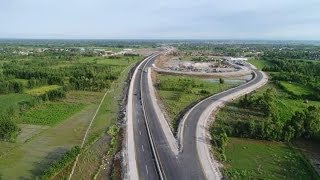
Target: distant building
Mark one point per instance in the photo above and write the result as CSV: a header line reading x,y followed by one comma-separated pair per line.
x,y
238,59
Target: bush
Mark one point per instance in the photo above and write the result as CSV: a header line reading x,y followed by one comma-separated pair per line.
x,y
305,124
53,95
61,163
8,129
221,81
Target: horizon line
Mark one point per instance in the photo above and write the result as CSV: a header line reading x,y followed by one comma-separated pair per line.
x,y
159,39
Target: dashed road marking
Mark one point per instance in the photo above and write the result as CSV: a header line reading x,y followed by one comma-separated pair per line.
x,y
147,169
142,148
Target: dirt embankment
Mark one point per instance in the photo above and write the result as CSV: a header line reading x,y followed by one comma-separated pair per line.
x,y
163,63
161,60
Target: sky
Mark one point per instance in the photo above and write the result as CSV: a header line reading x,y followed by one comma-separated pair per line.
x,y
161,19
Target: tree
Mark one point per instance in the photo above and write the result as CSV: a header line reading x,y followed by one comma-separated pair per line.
x,y
8,129
289,133
221,81
311,121
297,122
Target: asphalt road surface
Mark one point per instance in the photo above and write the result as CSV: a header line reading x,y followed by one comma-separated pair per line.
x,y
148,133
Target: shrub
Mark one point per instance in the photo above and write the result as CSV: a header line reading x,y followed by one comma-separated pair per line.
x,y
8,129
59,164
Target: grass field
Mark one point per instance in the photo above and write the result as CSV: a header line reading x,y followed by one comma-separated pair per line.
x,y
49,113
260,64
29,159
52,128
295,89
10,100
42,90
252,159
98,141
176,101
82,97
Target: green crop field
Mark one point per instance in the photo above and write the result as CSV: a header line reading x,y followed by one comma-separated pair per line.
x,y
295,89
50,113
11,100
42,90
29,159
253,159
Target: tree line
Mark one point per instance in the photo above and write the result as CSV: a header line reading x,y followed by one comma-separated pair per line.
x,y
303,124
89,76
303,72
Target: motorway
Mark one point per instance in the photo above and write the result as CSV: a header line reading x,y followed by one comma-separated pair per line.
x,y
153,155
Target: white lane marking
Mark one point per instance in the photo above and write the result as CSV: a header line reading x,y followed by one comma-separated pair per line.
x,y
147,169
140,133
142,148
138,120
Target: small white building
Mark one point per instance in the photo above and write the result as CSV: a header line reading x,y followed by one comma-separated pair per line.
x,y
238,59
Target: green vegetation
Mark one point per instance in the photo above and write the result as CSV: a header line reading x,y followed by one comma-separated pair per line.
x,y
295,89
305,73
62,162
10,85
42,90
98,141
287,109
11,101
113,132
177,93
8,129
50,113
259,63
37,145
265,160
52,94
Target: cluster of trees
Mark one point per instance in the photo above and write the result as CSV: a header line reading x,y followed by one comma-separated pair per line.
x,y
303,72
93,77
8,129
33,82
302,52
303,124
53,94
264,103
8,85
52,76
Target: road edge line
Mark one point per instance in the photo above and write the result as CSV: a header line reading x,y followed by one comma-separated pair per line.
x,y
202,134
